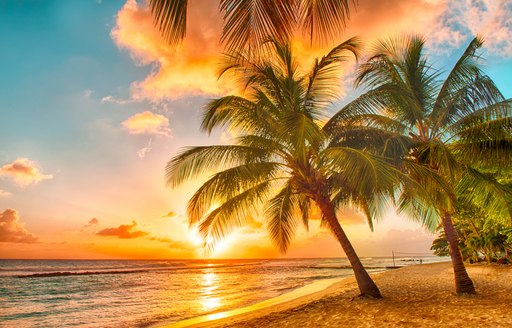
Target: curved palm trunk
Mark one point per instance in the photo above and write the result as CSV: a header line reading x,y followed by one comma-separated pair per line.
x,y
463,284
366,285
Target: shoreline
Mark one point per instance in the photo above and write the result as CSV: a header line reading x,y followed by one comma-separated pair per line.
x,y
417,295
299,296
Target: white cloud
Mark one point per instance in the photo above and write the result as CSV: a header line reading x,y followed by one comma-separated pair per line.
x,y
119,101
462,20
143,151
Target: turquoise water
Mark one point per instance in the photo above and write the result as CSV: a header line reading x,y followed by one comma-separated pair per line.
x,y
48,293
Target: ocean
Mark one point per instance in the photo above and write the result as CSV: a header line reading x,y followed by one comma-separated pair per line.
x,y
140,293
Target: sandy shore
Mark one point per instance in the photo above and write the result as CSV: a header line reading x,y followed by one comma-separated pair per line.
x,y
415,296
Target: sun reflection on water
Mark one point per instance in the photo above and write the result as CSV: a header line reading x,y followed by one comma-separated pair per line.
x,y
209,298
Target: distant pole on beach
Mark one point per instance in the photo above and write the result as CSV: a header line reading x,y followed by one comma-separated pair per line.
x,y
393,254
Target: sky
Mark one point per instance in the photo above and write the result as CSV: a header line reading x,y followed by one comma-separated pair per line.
x,y
93,104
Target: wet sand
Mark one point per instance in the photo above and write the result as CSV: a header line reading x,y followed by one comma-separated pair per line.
x,y
414,296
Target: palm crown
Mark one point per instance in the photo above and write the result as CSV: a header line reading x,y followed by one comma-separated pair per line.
x,y
282,160
454,127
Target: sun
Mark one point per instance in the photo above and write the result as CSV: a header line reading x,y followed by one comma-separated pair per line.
x,y
221,248
194,237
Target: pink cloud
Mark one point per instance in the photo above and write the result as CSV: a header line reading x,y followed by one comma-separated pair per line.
x,y
175,244
124,231
170,214
147,123
12,231
24,172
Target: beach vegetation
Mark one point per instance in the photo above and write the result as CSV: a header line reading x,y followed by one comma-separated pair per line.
x,y
455,123
482,236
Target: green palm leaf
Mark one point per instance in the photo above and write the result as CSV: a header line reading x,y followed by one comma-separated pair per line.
x,y
282,219
195,161
233,213
227,184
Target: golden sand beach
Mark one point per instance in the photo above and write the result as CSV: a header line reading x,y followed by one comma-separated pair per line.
x,y
414,296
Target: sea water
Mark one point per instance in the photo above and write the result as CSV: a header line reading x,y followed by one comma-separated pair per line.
x,y
119,293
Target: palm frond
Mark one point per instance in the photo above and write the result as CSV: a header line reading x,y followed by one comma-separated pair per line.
x,y
301,132
233,213
194,161
365,174
171,18
387,100
468,103
425,183
324,19
419,211
240,114
398,66
484,153
305,205
226,184
437,155
326,72
496,110
462,74
484,191
282,219
249,22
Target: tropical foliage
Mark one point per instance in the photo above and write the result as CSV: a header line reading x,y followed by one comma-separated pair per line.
x,y
282,160
483,236
454,126
249,23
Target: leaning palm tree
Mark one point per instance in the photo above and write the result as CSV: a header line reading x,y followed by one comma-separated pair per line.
x,y
248,23
454,127
281,163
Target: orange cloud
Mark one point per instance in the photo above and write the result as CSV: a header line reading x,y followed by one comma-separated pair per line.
x,y
175,244
147,123
170,214
188,69
4,193
11,231
92,222
24,172
124,231
191,68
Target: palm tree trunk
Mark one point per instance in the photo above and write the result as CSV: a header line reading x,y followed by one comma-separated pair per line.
x,y
463,284
365,283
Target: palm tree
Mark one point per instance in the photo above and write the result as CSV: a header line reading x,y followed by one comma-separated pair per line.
x,y
248,23
281,161
453,127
